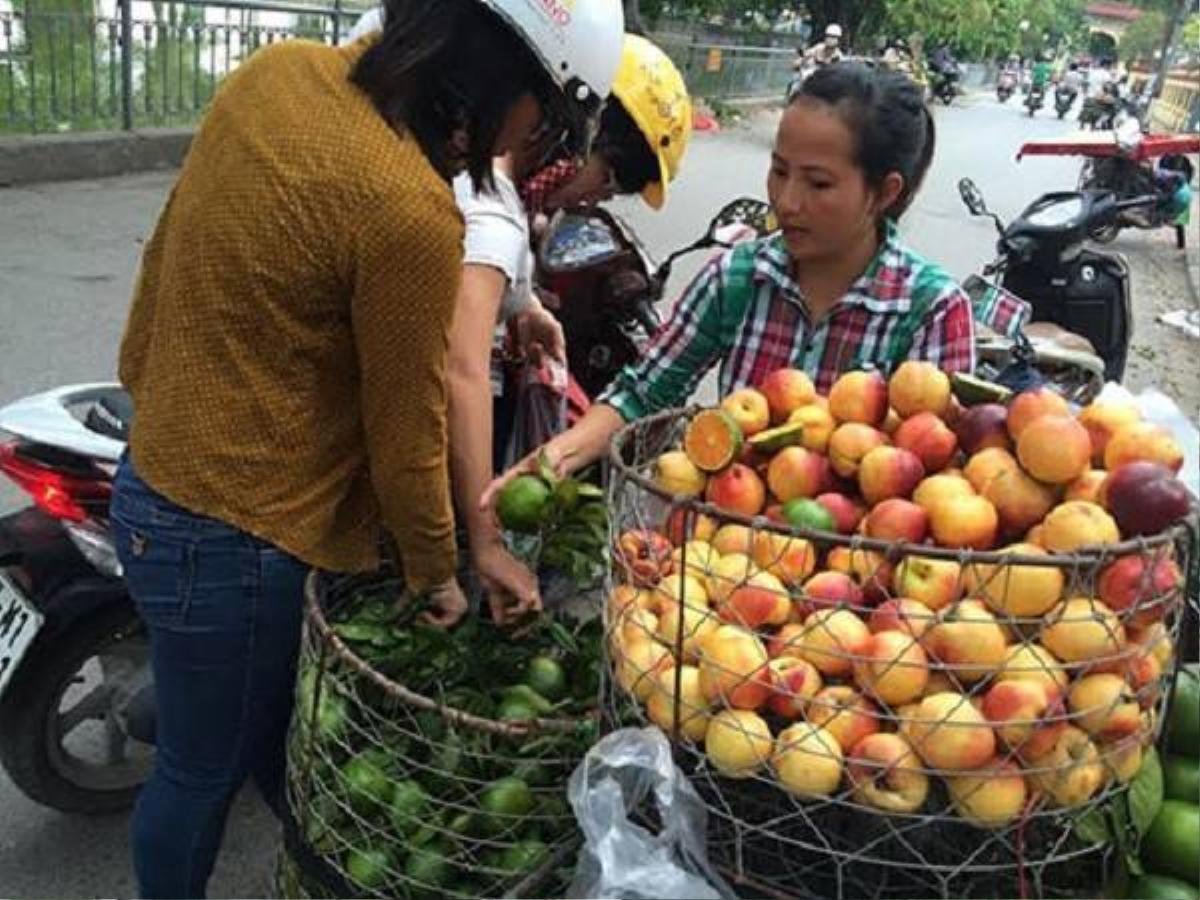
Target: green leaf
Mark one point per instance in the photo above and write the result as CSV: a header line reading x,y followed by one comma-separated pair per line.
x,y
1091,827
546,471
589,491
1146,793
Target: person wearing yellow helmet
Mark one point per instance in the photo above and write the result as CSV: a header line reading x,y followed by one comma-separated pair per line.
x,y
638,148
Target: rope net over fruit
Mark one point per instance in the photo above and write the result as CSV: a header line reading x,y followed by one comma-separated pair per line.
x,y
429,763
870,717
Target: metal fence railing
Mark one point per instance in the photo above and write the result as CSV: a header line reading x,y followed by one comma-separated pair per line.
x,y
729,71
133,64
139,65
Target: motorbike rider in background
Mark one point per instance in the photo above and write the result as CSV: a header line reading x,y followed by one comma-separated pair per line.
x,y
826,51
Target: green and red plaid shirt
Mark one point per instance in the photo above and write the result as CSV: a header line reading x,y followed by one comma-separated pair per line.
x,y
746,312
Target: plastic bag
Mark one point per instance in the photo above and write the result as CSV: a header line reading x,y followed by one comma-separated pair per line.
x,y
541,408
622,859
1157,407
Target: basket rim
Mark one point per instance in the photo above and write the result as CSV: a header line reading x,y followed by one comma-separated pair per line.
x,y
1089,555
315,617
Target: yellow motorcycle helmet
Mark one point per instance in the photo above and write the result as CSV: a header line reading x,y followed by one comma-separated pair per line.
x,y
652,91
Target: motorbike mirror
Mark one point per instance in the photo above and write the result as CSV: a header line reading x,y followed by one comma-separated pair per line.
x,y
742,211
972,197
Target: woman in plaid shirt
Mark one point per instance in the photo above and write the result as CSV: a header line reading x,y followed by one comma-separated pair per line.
x,y
834,289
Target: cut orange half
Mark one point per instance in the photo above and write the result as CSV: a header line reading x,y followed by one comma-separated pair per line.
x,y
712,440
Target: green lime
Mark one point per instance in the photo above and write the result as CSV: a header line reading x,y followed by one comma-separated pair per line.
x,y
1181,778
514,709
408,807
368,868
368,785
1184,730
1159,887
1172,843
805,513
523,693
522,857
505,801
427,866
523,503
546,677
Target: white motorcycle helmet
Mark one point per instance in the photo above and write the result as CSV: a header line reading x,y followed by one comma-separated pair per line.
x,y
579,42
834,31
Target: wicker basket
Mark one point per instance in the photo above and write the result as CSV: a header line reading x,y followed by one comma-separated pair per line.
x,y
392,790
875,789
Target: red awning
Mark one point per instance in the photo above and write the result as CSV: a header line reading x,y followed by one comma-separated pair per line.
x,y
1104,143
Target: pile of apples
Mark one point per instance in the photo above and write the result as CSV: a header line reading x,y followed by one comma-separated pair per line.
x,y
868,670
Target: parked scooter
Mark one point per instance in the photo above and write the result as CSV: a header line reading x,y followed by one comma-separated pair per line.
x,y
74,660
1137,170
1042,259
1064,99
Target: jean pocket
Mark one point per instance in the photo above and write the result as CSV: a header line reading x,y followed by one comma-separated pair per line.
x,y
157,568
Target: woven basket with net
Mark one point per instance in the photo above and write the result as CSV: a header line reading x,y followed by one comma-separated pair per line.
x,y
426,763
872,717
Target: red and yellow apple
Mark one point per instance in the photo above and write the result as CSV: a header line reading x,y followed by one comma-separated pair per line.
x,y
934,582
830,589
832,638
733,668
897,520
986,464
1070,771
1143,442
1034,663
818,424
1103,419
786,391
967,638
1025,716
990,797
1105,707
749,409
795,472
1029,406
887,472
1021,502
846,512
692,711
935,488
849,443
1076,524
917,387
902,614
794,682
738,743
859,397
1087,486
678,475
929,439
893,668
738,490
949,733
886,774
1055,449
1082,629
790,559
1017,590
845,713
807,761
964,521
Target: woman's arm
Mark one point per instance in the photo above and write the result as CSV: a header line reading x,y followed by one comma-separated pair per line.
x,y
511,588
677,359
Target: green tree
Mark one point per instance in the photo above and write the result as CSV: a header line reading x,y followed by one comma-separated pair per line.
x,y
1143,37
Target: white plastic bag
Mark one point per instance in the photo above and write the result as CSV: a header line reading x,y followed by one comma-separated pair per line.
x,y
622,859
1157,407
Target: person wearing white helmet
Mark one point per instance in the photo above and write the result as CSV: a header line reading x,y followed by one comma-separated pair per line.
x,y
286,352
643,134
827,50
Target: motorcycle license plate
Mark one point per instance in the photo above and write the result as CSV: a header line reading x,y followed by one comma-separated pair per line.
x,y
19,625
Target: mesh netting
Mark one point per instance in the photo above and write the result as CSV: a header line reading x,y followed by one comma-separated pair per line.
x,y
869,718
428,763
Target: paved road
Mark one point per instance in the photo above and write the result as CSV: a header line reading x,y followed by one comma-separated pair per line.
x,y
70,253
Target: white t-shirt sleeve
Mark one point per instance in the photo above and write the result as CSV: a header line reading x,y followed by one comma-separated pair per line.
x,y
371,20
497,235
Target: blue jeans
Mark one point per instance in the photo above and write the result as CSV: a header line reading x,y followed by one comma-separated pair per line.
x,y
223,611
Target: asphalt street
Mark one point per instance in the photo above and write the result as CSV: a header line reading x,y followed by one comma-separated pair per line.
x,y
69,253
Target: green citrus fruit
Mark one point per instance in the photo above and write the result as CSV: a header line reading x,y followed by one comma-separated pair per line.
x,y
523,503
1159,887
368,868
805,513
546,676
516,709
368,785
408,807
505,801
427,866
522,857
1172,844
1181,778
1185,716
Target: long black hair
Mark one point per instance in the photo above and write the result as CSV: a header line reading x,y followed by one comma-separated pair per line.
x,y
886,113
444,65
